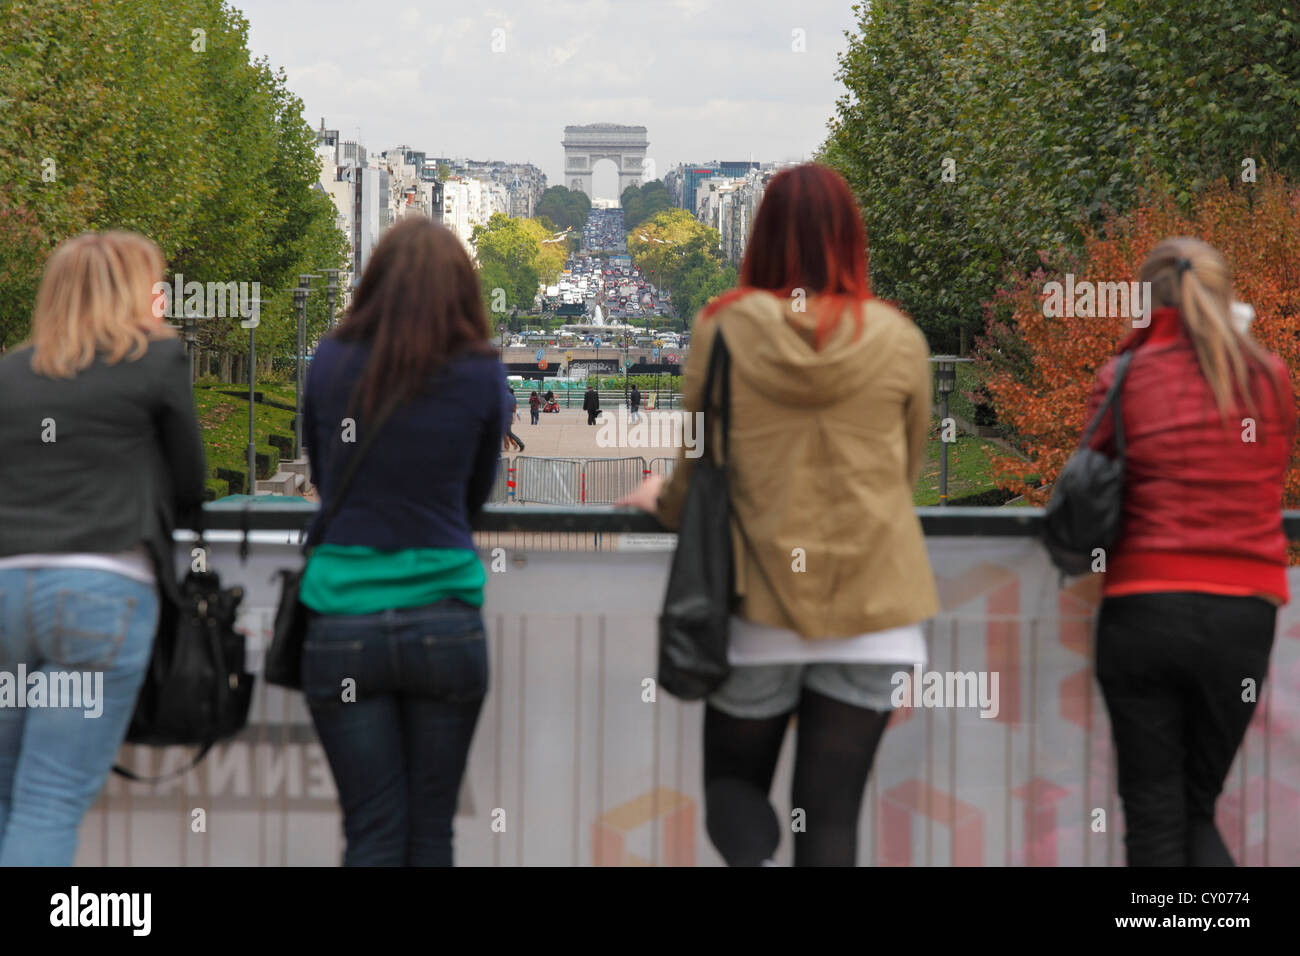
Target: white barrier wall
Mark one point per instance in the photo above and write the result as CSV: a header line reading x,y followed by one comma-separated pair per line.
x,y
588,772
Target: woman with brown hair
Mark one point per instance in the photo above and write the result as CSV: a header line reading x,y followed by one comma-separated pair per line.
x,y
100,456
395,661
1195,578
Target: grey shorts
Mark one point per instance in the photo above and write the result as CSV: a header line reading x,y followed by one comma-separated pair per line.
x,y
759,691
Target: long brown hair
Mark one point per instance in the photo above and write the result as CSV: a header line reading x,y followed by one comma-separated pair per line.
x,y
1193,277
96,298
418,305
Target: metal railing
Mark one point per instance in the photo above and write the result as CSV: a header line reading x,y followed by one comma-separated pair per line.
x,y
588,765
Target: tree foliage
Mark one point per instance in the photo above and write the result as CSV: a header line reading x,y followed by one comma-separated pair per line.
x,y
564,208
1040,370
642,202
679,253
120,115
515,256
977,133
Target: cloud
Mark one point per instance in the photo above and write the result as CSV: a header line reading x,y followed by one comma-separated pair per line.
x,y
709,80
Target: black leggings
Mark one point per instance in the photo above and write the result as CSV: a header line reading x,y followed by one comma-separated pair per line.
x,y
835,745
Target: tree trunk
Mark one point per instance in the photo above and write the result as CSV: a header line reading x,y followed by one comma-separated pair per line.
x,y
226,363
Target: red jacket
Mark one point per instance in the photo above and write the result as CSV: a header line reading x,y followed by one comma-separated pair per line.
x,y
1202,505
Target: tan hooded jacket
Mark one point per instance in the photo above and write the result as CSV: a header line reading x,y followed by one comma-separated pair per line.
x,y
825,449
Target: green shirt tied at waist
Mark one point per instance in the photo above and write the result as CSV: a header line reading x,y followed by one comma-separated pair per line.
x,y
346,579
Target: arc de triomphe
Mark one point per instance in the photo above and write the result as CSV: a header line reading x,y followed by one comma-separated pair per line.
x,y
584,146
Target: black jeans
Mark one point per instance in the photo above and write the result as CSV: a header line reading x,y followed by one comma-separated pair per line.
x,y
1173,668
591,415
395,697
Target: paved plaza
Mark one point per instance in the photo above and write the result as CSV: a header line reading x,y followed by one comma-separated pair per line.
x,y
566,434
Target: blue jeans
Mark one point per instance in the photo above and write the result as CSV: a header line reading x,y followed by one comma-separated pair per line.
x,y
54,759
395,697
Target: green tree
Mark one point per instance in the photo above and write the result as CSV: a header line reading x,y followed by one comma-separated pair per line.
x,y
120,115
565,208
642,202
983,136
682,255
507,251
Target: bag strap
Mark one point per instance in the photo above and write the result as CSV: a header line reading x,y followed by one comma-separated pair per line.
x,y
198,759
336,499
719,372
1113,403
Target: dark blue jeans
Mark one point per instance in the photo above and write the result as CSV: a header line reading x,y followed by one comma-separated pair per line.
x,y
395,697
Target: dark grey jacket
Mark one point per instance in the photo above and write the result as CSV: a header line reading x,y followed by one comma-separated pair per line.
x,y
101,462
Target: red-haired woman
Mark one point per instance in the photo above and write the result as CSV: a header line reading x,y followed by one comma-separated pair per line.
x,y
830,408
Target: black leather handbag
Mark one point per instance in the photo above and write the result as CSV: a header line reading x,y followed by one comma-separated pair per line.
x,y
695,623
196,691
1084,511
282,664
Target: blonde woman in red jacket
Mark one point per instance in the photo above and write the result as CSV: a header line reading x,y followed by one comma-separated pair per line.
x,y
1194,581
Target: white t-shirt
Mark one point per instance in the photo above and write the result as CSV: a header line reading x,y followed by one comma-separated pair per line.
x,y
134,564
753,643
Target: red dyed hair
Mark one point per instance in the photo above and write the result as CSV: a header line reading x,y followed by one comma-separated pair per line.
x,y
808,235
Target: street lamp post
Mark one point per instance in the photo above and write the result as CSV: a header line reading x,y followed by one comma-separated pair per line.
x,y
251,325
331,294
300,301
945,379
190,327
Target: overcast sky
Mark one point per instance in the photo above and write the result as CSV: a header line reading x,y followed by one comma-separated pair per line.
x,y
710,80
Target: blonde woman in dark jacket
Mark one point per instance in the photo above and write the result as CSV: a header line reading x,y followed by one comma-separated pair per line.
x,y
99,453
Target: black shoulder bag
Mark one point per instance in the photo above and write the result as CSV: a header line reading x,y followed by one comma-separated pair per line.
x,y
695,623
282,665
1084,511
196,691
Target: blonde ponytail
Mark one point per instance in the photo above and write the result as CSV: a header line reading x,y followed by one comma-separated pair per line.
x,y
1193,277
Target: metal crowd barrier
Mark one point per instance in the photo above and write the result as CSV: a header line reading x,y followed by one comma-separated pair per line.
x,y
548,481
572,481
605,480
661,466
503,484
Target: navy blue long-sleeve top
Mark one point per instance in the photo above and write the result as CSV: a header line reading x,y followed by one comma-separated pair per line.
x,y
432,465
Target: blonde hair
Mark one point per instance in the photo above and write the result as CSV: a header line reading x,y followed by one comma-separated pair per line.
x,y
1193,277
96,299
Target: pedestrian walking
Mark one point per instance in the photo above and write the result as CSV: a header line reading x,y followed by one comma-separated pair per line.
x,y
591,404
534,406
512,410
635,401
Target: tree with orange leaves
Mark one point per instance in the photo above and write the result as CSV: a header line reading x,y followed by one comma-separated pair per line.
x,y
1040,369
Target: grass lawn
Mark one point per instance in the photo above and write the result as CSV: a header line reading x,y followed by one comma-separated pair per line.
x,y
223,420
969,470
